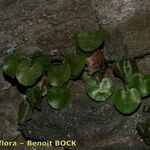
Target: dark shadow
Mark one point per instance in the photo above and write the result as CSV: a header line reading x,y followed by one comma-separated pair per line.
x,y
13,82
102,45
22,89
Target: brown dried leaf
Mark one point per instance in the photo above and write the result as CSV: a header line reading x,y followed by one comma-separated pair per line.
x,y
94,62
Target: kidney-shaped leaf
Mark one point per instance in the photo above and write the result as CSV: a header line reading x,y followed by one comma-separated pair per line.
x,y
99,90
127,102
76,64
34,97
25,112
125,69
59,74
10,65
89,40
28,73
141,83
58,98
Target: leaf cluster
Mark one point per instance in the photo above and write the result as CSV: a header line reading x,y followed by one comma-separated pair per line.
x,y
43,77
137,86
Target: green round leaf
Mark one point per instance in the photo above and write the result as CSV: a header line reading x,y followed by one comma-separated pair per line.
x,y
76,64
43,59
10,65
89,40
58,98
141,83
127,102
125,69
28,73
59,74
99,90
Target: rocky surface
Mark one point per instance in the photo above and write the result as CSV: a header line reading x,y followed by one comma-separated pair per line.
x,y
87,122
52,26
127,27
9,102
10,99
144,64
46,25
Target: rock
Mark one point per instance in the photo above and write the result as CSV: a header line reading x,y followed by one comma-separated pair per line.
x,y
9,103
53,25
120,142
144,64
127,27
85,121
44,25
8,2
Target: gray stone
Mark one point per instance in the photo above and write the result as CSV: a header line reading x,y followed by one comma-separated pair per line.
x,y
44,25
9,103
53,25
87,122
127,27
144,64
